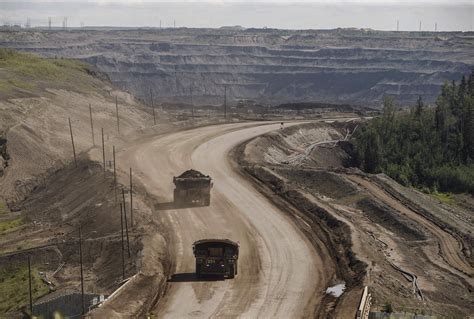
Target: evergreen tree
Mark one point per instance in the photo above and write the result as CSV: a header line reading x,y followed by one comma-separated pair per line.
x,y
426,147
419,107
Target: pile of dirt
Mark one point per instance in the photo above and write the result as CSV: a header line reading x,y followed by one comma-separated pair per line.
x,y
72,198
191,173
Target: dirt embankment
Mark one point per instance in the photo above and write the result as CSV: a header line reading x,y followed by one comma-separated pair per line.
x,y
83,196
305,168
49,197
323,229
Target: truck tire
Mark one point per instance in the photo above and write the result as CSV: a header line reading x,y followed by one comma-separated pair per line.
x,y
207,200
178,200
231,272
198,271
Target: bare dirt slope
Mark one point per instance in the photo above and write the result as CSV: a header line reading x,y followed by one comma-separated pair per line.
x,y
417,259
279,271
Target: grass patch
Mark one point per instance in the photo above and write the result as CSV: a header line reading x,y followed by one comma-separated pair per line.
x,y
14,287
7,86
21,71
35,67
446,198
6,226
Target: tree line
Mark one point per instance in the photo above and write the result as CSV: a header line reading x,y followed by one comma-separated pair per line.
x,y
429,147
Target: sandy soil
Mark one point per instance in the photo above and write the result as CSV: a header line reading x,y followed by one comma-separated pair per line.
x,y
387,233
279,271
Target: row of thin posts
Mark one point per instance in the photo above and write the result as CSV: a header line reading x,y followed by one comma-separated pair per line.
x,y
123,214
92,133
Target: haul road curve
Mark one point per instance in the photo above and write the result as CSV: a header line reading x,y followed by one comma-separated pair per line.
x,y
279,272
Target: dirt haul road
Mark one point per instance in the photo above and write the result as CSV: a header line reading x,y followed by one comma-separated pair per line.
x,y
279,273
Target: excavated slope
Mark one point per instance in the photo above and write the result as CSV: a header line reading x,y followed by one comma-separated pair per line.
x,y
264,65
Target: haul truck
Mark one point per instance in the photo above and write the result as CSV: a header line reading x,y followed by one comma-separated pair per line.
x,y
216,257
192,188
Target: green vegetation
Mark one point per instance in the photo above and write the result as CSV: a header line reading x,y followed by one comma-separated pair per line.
x,y
10,225
14,287
446,198
387,307
28,72
36,67
427,147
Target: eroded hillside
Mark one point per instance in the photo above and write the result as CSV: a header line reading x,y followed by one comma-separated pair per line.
x,y
264,65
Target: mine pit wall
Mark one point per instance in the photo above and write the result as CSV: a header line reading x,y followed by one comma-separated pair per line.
x,y
331,231
283,66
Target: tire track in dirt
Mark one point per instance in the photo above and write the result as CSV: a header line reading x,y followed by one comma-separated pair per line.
x,y
277,266
449,246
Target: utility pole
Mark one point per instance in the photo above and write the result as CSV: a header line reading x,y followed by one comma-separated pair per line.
x,y
436,26
160,24
131,199
420,27
225,101
72,140
118,121
82,272
123,248
398,24
115,175
49,23
192,103
126,222
92,125
103,150
29,285
152,106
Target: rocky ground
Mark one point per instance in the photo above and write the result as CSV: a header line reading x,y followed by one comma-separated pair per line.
x,y
263,66
396,240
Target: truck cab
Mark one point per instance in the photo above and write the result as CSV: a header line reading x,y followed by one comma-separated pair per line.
x,y
216,257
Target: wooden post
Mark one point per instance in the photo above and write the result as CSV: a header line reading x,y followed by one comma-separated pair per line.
x,y
115,175
92,125
72,141
126,222
192,104
103,150
131,199
118,121
82,273
225,102
153,107
29,285
123,248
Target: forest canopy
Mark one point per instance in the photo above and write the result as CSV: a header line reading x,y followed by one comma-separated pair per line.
x,y
425,147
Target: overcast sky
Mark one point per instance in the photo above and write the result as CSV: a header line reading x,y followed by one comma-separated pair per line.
x,y
449,15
